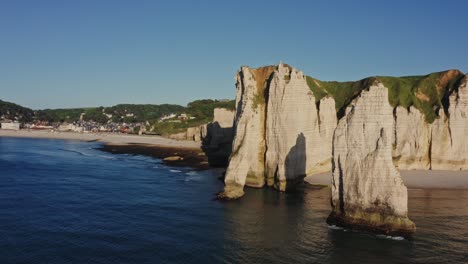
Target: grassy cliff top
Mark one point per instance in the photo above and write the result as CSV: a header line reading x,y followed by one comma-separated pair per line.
x,y
428,93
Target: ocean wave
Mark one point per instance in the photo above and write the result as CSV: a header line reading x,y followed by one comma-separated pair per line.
x,y
87,154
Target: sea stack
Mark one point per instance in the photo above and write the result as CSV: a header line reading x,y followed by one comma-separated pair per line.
x,y
246,163
367,190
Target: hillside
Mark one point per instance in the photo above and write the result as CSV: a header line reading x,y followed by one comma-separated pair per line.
x,y
13,111
201,110
428,93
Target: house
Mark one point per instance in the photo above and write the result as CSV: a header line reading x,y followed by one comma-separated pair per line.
x,y
10,125
182,117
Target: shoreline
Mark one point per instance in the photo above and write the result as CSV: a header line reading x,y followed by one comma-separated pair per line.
x,y
171,156
188,153
192,155
109,138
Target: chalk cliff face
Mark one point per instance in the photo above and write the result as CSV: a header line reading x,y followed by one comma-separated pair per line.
x,y
285,122
450,133
246,164
412,139
277,126
367,190
217,143
293,134
221,129
197,134
441,145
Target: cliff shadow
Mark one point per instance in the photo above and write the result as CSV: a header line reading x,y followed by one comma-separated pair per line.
x,y
295,166
217,144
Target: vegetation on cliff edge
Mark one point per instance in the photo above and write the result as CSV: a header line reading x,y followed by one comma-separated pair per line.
x,y
428,93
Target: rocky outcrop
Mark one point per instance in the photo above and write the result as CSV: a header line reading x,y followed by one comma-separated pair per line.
x,y
449,148
217,144
216,137
196,134
367,190
246,163
412,139
277,126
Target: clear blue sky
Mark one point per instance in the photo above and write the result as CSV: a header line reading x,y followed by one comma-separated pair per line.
x,y
91,53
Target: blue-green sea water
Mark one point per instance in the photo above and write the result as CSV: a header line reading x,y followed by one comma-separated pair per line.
x,y
66,202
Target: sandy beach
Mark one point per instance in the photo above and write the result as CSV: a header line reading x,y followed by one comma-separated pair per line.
x,y
414,179
189,153
108,138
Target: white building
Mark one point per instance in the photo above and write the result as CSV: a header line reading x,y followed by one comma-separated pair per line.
x,y
167,117
10,126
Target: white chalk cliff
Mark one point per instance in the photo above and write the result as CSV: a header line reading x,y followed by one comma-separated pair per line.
x,y
412,139
367,190
449,149
246,163
280,135
293,136
217,143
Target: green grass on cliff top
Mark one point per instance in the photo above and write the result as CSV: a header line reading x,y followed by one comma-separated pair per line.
x,y
428,93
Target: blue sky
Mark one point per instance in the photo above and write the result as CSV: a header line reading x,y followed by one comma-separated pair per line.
x,y
91,53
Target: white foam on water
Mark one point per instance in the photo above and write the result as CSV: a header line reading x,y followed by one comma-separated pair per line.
x,y
397,238
87,154
193,178
334,227
175,171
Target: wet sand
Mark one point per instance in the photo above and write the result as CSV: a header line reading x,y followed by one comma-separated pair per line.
x,y
190,157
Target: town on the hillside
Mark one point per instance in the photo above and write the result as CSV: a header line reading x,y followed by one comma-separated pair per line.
x,y
129,119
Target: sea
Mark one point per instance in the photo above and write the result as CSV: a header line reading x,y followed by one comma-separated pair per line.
x,y
67,202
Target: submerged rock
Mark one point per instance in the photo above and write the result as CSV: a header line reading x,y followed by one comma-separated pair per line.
x,y
367,190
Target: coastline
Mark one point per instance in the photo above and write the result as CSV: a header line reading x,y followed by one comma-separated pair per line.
x,y
193,156
189,152
109,138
